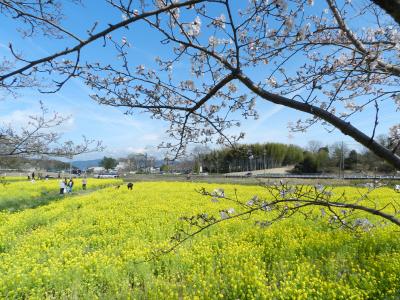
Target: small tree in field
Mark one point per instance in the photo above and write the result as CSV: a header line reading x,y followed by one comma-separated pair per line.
x,y
108,163
164,168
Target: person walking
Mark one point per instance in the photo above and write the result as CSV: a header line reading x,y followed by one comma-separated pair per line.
x,y
70,185
66,185
62,187
84,183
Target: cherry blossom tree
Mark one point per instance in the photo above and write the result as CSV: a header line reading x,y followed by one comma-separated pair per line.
x,y
39,137
332,60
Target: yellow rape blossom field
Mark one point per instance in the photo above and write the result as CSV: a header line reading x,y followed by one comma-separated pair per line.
x,y
92,246
13,178
18,194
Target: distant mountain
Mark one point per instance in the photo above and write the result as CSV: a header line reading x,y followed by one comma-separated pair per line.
x,y
85,164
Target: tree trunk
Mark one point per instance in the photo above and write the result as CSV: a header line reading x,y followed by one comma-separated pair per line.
x,y
345,127
392,7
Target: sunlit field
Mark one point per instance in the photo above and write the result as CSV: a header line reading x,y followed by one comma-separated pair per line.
x,y
20,194
93,246
13,178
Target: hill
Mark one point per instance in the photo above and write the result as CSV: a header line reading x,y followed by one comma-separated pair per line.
x,y
84,164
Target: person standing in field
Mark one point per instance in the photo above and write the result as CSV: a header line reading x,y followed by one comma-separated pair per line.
x,y
66,190
84,182
62,187
70,185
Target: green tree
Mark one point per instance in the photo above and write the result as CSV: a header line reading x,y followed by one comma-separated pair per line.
x,y
350,161
293,155
196,167
108,163
322,157
165,168
310,164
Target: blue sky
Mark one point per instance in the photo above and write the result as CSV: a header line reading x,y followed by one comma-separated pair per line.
x,y
123,134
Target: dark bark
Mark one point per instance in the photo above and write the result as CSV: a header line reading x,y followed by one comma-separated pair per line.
x,y
392,7
345,127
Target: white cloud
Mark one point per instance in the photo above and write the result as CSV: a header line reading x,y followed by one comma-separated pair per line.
x,y
125,151
18,119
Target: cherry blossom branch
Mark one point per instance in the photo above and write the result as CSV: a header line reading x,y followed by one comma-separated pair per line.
x,y
344,127
389,67
97,36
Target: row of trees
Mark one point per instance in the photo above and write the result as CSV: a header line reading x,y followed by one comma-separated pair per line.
x,y
26,163
338,158
314,158
250,157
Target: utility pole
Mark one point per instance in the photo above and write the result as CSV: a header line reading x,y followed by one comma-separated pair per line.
x,y
264,153
145,163
216,159
343,158
70,166
341,162
250,156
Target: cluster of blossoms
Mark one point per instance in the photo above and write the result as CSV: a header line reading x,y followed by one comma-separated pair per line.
x,y
227,213
397,100
394,135
271,82
188,84
350,105
194,27
119,79
232,87
161,3
219,21
140,69
213,41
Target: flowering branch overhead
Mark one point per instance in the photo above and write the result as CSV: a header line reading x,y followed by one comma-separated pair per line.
x,y
328,205
40,138
231,55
